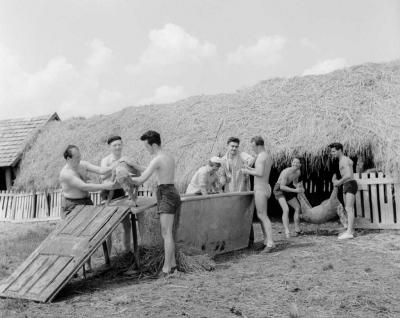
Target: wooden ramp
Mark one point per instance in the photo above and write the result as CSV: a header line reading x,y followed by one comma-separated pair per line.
x,y
49,268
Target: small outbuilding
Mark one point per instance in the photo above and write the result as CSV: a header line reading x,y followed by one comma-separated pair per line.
x,y
16,135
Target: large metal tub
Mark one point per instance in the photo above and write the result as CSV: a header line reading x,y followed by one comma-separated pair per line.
x,y
213,224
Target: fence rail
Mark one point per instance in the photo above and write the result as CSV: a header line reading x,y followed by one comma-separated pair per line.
x,y
40,206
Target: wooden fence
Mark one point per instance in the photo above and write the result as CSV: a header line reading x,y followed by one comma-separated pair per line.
x,y
40,206
377,203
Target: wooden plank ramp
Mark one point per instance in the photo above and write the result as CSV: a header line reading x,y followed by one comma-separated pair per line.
x,y
49,268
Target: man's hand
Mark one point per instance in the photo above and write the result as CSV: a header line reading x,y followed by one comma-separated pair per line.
x,y
110,185
245,171
335,182
300,190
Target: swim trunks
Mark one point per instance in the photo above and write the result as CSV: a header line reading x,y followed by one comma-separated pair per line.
x,y
70,204
264,188
118,193
278,193
168,199
350,187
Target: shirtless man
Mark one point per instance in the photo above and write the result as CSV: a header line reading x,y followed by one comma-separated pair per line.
x,y
262,189
168,199
285,191
350,186
115,145
73,178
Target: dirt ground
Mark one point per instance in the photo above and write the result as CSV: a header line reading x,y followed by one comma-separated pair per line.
x,y
313,273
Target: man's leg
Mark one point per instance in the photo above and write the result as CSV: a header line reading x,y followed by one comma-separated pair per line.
x,y
285,215
126,223
261,202
349,199
167,223
294,203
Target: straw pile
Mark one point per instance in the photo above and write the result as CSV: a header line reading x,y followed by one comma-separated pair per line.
x,y
358,106
152,260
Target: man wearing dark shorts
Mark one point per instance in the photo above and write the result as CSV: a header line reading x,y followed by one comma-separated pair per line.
x,y
286,193
168,199
350,187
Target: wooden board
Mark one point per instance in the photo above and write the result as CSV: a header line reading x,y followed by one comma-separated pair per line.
x,y
64,251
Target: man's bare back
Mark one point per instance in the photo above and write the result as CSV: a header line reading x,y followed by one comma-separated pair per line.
x,y
264,160
346,168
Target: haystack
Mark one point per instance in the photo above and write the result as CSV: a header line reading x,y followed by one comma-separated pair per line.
x,y
358,106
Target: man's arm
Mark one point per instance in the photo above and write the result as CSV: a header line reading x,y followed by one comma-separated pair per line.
x,y
96,169
248,159
283,186
132,164
103,164
76,182
259,169
147,173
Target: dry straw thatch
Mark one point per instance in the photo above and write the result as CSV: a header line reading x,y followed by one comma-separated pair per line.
x,y
358,106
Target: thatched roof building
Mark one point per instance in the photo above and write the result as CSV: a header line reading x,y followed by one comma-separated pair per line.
x,y
15,136
358,106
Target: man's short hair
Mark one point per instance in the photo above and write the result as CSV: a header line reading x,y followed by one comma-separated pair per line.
x,y
233,139
68,151
336,145
152,137
258,140
113,138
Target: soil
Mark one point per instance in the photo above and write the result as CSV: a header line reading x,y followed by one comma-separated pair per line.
x,y
312,275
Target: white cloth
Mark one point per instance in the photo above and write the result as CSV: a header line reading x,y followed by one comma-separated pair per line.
x,y
231,174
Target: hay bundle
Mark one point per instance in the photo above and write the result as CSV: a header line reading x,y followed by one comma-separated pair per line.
x,y
152,260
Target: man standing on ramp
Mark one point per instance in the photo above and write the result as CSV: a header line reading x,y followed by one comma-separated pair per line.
x,y
168,198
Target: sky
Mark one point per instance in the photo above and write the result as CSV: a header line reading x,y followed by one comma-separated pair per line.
x,y
89,57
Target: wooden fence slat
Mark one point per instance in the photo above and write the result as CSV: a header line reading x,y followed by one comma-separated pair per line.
x,y
385,217
366,203
374,199
358,206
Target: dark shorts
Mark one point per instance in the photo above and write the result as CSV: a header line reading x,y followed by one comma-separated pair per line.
x,y
350,187
278,193
118,193
168,199
70,204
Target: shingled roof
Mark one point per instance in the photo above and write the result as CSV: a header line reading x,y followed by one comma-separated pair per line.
x,y
15,135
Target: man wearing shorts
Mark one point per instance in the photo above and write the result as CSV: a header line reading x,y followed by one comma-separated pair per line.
x,y
262,189
115,145
350,187
168,198
73,177
285,191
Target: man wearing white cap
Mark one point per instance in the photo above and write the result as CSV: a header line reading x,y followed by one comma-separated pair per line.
x,y
205,180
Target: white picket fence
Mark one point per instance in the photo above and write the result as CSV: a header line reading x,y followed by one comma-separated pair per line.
x,y
39,206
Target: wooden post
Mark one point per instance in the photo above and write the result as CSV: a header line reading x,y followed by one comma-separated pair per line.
x,y
8,178
106,256
135,241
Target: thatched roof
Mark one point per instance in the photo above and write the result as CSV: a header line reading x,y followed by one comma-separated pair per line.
x,y
358,106
15,135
